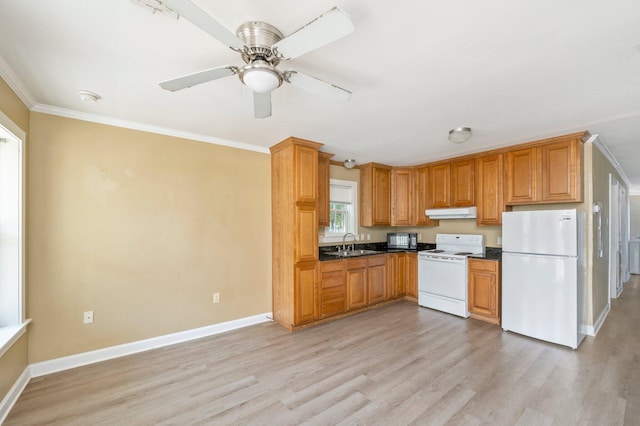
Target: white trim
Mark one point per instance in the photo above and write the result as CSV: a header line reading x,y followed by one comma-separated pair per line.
x,y
101,119
592,330
10,334
72,361
16,84
14,393
324,236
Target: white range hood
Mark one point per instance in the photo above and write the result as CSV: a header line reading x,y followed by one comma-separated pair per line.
x,y
452,213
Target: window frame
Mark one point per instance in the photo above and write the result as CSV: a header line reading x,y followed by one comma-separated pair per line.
x,y
329,237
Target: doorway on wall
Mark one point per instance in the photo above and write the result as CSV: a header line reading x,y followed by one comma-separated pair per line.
x,y
618,237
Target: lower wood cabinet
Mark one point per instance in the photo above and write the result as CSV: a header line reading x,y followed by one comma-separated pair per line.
x,y
333,294
484,290
356,283
377,279
411,275
306,293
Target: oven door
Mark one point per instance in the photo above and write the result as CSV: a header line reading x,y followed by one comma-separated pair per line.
x,y
443,276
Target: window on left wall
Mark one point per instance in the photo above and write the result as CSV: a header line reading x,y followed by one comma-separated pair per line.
x,y
12,319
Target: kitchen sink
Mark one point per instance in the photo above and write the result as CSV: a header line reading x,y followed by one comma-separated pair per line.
x,y
352,253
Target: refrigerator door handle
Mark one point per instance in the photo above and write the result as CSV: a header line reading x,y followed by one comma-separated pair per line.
x,y
537,255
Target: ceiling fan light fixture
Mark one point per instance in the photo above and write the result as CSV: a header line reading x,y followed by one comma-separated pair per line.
x,y
460,134
260,77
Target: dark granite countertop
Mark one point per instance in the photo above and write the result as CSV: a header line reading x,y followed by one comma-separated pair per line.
x,y
381,247
490,253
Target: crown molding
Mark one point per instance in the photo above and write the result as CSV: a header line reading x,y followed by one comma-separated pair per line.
x,y
7,74
101,119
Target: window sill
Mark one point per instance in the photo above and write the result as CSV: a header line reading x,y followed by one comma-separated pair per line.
x,y
9,335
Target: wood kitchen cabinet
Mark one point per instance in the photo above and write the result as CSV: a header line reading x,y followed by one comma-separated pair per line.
x,y
489,189
402,193
357,283
294,194
484,290
439,186
333,295
548,171
377,279
421,197
375,194
324,163
462,183
395,287
451,184
411,275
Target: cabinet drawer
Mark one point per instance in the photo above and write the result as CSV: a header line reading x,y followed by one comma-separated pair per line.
x,y
377,260
332,265
483,265
333,301
357,263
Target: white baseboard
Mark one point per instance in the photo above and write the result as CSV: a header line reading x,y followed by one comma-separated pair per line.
x,y
14,393
85,358
592,330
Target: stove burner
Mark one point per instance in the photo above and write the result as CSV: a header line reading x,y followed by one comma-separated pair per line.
x,y
436,251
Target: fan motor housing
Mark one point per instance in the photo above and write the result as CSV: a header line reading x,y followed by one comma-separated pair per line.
x,y
258,37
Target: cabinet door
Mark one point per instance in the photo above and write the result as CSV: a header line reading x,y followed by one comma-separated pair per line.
x,y
462,183
439,186
306,235
392,266
411,275
489,172
401,273
561,174
323,188
484,290
421,196
521,176
356,283
402,195
377,279
306,293
375,194
306,174
333,286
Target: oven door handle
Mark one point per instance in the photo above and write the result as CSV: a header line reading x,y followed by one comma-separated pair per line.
x,y
441,259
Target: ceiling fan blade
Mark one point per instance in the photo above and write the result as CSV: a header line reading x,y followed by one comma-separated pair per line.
x,y
262,104
204,21
326,28
317,86
196,78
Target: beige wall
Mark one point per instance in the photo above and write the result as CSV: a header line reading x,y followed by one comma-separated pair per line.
x,y
14,361
601,169
142,229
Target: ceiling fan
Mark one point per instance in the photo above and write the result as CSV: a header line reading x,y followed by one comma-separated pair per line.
x,y
262,47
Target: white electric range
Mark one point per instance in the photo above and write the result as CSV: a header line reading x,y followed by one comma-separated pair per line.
x,y
442,272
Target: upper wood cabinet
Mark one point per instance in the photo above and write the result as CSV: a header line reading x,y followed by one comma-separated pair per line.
x,y
375,194
562,171
324,163
462,183
489,189
402,192
439,186
548,171
421,197
451,184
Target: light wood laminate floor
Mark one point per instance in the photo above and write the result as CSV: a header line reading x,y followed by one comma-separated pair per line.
x,y
395,365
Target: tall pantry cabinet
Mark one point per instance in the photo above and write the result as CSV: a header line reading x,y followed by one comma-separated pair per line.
x,y
294,209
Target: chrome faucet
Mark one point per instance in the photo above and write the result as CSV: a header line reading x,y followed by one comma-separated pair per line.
x,y
353,244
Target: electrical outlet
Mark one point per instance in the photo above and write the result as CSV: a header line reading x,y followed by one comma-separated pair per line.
x,y
419,237
368,237
88,317
216,297
499,240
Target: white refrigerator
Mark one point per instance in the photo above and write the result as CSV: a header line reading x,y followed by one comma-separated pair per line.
x,y
542,275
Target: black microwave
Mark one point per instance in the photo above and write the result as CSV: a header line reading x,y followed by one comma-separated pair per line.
x,y
402,240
